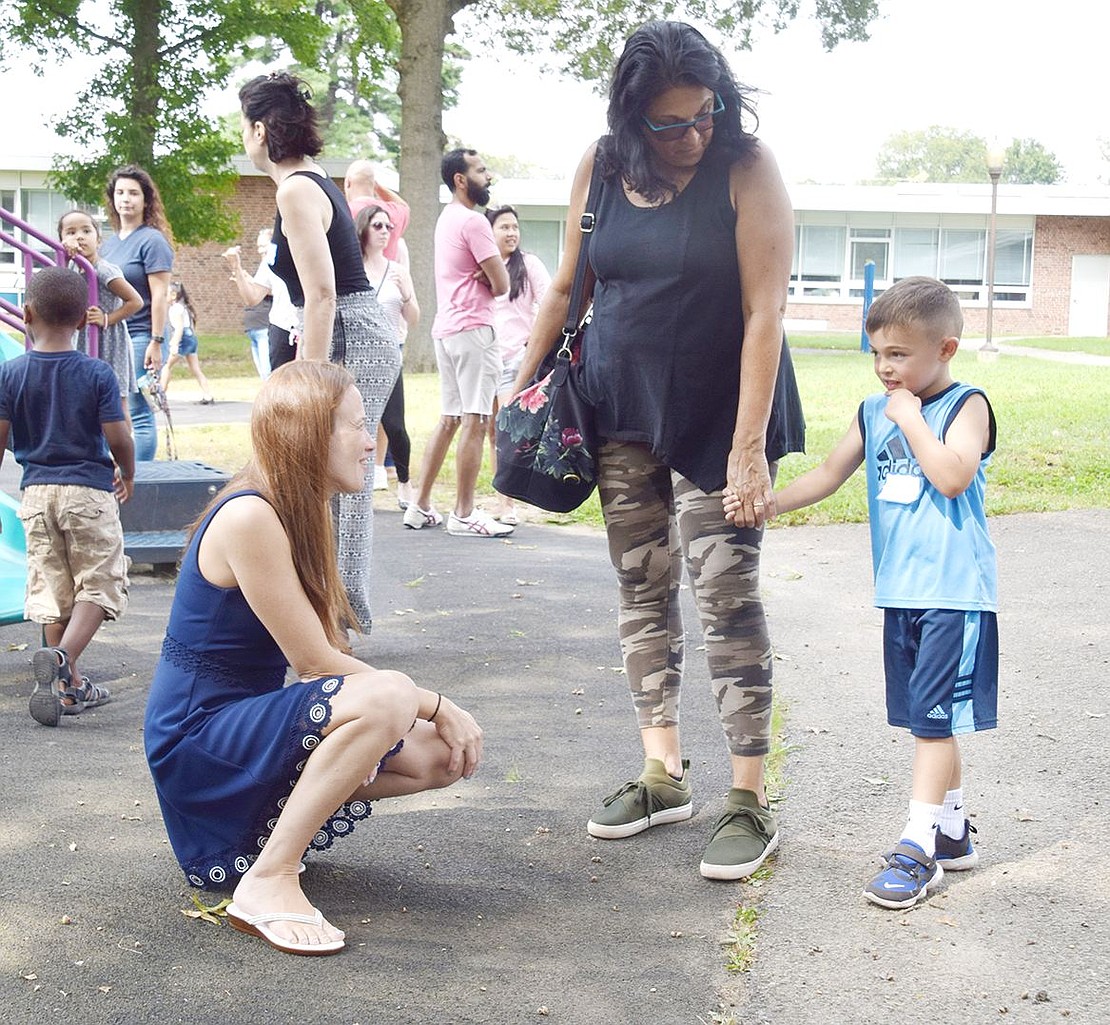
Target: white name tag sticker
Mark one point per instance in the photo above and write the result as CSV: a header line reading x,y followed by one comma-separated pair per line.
x,y
902,488
271,254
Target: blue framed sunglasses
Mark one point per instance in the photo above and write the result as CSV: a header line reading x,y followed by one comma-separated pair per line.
x,y
701,124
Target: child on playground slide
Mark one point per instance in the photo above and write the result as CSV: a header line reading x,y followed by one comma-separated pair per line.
x,y
80,234
924,444
63,413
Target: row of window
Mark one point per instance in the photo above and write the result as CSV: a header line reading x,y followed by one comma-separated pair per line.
x,y
830,260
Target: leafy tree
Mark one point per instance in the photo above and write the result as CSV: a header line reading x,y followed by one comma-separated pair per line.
x,y
354,80
587,35
1029,162
934,155
940,154
160,58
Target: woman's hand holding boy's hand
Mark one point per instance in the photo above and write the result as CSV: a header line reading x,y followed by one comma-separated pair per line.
x,y
749,484
733,508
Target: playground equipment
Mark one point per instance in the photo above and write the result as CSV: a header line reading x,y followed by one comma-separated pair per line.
x,y
11,227
168,497
13,562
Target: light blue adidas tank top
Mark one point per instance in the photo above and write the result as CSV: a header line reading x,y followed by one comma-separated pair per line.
x,y
929,552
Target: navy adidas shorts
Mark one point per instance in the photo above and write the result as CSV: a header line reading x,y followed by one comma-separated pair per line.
x,y
941,670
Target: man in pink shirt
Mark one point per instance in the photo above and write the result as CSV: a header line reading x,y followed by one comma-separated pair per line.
x,y
469,272
362,189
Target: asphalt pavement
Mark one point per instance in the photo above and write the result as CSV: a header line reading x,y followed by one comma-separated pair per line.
x,y
490,903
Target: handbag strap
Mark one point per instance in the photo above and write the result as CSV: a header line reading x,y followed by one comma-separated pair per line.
x,y
587,222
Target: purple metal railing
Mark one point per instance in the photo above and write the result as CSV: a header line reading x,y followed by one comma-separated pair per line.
x,y
11,314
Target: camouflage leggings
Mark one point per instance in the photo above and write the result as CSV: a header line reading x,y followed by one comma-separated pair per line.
x,y
655,518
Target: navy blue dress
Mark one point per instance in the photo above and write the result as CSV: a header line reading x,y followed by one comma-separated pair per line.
x,y
226,739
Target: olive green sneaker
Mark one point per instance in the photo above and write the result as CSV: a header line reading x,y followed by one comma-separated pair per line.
x,y
743,836
656,797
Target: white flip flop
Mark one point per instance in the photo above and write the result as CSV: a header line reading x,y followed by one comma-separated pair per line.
x,y
258,925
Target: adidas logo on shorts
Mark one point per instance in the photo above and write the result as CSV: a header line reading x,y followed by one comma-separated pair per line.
x,y
936,712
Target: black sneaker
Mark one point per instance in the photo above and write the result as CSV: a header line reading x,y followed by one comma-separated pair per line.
x,y
906,879
656,797
957,855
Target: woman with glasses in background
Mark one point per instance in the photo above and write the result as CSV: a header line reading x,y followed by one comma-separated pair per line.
x,y
686,361
392,285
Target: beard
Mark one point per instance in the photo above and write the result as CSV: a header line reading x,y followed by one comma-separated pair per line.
x,y
477,194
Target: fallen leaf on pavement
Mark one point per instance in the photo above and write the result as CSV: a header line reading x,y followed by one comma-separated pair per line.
x,y
204,916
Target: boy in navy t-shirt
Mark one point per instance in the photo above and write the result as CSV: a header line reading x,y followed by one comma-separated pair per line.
x,y
62,412
924,443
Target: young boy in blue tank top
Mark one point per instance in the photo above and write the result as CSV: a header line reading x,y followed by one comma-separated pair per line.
x,y
924,442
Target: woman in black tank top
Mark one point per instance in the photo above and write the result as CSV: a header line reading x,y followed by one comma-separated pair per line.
x,y
685,361
315,251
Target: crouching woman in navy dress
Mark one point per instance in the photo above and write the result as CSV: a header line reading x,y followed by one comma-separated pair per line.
x,y
251,773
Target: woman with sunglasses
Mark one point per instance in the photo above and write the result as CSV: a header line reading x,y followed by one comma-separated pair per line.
x,y
685,359
392,285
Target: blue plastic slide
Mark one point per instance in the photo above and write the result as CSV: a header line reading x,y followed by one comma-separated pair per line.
x,y
13,545
13,562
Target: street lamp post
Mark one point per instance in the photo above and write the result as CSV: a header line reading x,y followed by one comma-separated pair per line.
x,y
995,157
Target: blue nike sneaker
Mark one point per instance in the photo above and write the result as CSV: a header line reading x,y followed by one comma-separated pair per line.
x,y
906,879
957,855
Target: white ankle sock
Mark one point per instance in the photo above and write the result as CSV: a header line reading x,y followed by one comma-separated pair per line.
x,y
952,815
921,826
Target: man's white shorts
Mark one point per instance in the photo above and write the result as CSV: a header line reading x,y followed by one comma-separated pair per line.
x,y
469,370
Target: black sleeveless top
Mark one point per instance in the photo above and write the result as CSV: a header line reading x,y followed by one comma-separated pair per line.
x,y
346,254
662,354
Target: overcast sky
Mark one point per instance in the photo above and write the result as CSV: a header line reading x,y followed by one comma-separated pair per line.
x,y
998,68
1011,68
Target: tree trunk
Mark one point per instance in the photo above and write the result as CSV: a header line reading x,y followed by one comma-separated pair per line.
x,y
143,101
424,26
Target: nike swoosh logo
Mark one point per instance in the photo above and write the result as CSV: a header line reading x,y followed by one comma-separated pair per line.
x,y
892,886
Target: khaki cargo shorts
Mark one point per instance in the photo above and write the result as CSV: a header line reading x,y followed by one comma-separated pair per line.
x,y
74,551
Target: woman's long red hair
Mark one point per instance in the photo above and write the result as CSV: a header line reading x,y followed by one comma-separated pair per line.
x,y
291,428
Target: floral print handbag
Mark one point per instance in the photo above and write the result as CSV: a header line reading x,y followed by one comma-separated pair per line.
x,y
546,440
546,436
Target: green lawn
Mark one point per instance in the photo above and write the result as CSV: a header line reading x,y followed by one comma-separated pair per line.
x,y
1053,423
1053,426
1094,346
